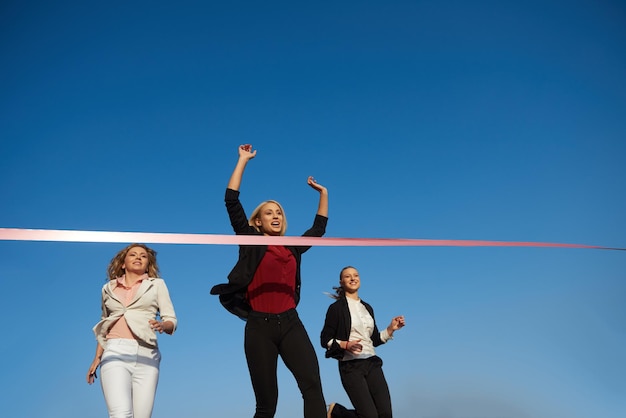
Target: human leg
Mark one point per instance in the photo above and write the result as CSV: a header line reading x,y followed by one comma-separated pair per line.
x,y
353,376
299,356
262,357
116,378
378,388
145,380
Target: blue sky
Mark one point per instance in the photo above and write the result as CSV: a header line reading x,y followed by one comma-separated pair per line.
x,y
446,120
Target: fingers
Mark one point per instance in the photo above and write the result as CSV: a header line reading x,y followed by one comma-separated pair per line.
x,y
245,152
354,346
156,325
399,321
91,375
246,149
314,184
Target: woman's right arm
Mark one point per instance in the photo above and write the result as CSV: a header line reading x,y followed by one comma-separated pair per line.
x,y
245,155
91,374
237,215
329,333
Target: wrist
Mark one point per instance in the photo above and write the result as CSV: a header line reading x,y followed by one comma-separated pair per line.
x,y
390,332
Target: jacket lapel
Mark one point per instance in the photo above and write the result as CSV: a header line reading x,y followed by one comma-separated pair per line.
x,y
347,320
143,288
109,291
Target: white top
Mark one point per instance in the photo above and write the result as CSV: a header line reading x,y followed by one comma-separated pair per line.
x,y
362,328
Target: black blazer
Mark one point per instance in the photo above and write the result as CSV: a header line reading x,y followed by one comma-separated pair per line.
x,y
337,326
233,295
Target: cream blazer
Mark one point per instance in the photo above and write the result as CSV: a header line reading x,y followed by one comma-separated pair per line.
x,y
152,296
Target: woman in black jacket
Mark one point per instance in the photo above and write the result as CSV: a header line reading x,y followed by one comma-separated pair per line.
x,y
350,335
264,289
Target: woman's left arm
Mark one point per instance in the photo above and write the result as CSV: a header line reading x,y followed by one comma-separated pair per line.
x,y
162,326
168,321
396,323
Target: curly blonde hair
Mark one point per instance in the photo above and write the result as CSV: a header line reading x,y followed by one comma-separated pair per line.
x,y
115,269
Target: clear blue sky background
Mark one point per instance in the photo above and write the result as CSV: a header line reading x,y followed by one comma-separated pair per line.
x,y
497,120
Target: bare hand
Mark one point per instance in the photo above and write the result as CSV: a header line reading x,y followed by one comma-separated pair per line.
x,y
157,326
91,374
311,182
354,346
245,152
397,323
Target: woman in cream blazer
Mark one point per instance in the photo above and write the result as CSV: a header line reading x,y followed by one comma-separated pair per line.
x,y
127,351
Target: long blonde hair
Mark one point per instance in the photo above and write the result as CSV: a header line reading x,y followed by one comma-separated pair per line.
x,y
115,269
257,210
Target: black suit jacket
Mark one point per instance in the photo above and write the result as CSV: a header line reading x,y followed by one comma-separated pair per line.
x,y
233,295
337,326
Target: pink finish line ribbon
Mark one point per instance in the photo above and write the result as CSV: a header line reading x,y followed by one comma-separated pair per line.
x,y
17,234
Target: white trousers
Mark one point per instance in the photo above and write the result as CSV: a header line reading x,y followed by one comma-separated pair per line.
x,y
129,374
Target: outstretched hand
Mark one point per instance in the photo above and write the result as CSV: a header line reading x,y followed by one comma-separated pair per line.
x,y
245,152
311,182
396,323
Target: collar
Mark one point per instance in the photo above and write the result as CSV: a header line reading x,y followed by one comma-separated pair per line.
x,y
121,281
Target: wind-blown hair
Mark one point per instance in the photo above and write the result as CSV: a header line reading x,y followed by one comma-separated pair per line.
x,y
255,215
115,269
339,292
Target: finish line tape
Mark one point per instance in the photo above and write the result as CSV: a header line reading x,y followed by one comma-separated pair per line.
x,y
17,234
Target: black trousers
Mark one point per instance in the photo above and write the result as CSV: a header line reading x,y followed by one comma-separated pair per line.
x,y
268,336
366,387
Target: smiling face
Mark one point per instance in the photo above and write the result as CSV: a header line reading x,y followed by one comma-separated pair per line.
x,y
270,219
350,281
136,261
121,261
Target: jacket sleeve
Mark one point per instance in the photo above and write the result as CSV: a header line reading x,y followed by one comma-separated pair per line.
x,y
330,332
237,214
319,227
166,308
317,230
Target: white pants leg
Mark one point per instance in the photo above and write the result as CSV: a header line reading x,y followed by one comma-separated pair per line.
x,y
129,374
